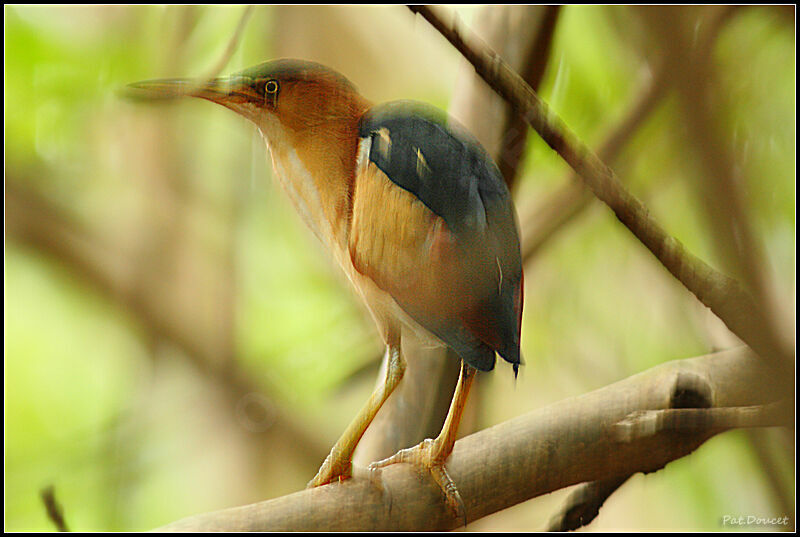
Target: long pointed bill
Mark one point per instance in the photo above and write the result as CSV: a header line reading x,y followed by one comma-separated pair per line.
x,y
225,91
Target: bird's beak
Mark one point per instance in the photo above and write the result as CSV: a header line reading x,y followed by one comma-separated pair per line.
x,y
231,92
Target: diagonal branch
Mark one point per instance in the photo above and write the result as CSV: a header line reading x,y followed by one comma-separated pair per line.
x,y
543,221
721,192
719,292
511,155
563,444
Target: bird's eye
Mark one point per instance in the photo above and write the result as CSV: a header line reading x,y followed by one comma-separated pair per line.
x,y
271,87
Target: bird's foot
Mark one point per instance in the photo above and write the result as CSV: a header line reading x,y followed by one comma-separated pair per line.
x,y
335,468
429,456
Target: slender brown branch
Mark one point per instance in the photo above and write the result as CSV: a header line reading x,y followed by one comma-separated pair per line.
x,y
542,222
551,448
523,35
719,292
54,510
512,151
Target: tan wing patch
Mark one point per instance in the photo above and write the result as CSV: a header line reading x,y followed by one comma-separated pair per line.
x,y
400,244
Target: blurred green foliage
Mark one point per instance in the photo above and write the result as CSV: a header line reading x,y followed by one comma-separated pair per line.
x,y
133,434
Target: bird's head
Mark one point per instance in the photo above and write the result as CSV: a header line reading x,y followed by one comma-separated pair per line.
x,y
281,97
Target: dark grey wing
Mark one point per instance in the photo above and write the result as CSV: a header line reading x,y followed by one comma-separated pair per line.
x,y
424,152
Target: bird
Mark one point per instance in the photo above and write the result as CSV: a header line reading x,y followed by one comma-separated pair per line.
x,y
410,206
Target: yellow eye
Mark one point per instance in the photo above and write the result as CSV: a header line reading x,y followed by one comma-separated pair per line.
x,y
271,87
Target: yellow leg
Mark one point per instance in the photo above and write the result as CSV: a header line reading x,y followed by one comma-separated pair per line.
x,y
338,464
431,454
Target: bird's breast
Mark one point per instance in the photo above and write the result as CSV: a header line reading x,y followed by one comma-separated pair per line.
x,y
303,190
383,237
299,185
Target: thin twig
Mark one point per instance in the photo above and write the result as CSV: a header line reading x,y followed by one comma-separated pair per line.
x,y
54,510
512,151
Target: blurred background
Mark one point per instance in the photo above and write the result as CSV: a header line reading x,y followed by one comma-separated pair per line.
x,y
176,341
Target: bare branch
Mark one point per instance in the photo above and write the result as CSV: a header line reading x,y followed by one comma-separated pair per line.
x,y
542,222
551,448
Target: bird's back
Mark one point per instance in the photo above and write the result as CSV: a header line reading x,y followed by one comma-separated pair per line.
x,y
434,226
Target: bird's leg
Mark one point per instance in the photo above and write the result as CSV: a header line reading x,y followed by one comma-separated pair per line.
x,y
432,454
338,464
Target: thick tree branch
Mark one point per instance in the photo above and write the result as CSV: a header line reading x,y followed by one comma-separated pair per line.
x,y
551,448
719,292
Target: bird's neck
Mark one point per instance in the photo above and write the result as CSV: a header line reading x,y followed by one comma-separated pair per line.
x,y
316,167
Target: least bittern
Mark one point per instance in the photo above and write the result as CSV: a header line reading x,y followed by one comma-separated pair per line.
x,y
413,210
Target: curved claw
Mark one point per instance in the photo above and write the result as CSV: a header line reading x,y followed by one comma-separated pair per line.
x,y
452,496
425,457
